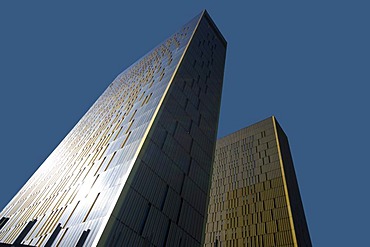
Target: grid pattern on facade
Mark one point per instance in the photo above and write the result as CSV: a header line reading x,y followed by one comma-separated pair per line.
x,y
249,202
90,166
165,204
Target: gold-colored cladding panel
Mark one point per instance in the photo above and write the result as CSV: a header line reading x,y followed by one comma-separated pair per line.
x,y
90,165
285,184
248,199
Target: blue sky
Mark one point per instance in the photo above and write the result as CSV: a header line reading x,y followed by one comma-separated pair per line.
x,y
307,63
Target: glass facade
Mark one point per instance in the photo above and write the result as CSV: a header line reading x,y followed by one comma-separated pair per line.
x,y
134,171
254,198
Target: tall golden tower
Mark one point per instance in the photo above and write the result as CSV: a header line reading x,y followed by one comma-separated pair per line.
x,y
254,197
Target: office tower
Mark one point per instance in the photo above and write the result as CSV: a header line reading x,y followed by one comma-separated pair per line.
x,y
134,171
254,198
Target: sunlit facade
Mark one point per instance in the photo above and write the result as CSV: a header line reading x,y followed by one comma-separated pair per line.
x,y
134,171
254,198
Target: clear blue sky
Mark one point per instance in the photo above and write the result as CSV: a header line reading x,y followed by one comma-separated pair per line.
x,y
306,62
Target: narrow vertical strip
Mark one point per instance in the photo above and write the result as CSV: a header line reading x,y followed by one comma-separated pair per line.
x,y
24,233
285,183
53,235
83,238
92,205
3,221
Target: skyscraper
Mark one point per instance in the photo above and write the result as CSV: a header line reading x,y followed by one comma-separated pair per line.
x,y
134,171
254,198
